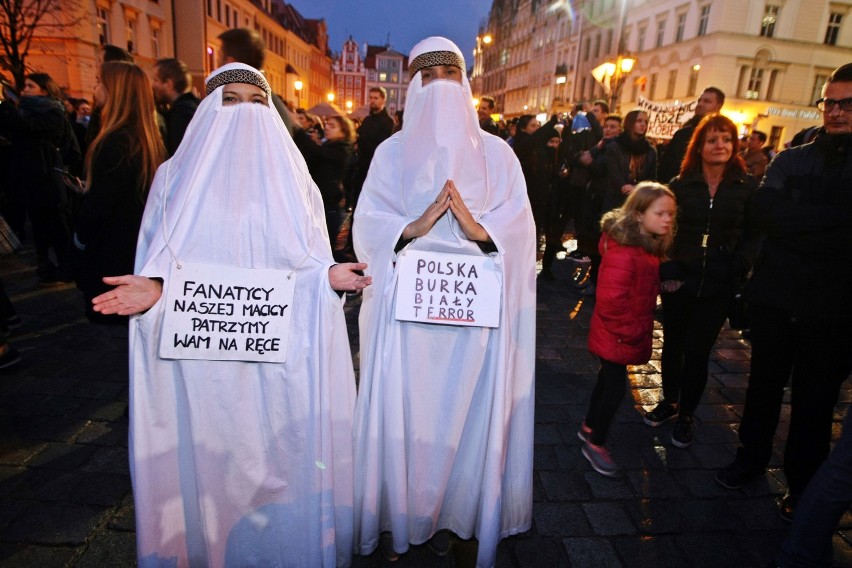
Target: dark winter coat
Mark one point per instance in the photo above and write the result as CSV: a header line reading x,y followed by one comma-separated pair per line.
x,y
804,205
733,239
623,319
328,164
675,150
618,167
110,213
375,129
42,139
177,120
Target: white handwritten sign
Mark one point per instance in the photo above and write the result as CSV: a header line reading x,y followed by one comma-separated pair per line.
x,y
226,313
450,289
664,119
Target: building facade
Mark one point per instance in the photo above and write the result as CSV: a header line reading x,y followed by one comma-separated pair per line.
x,y
389,69
350,77
298,60
771,58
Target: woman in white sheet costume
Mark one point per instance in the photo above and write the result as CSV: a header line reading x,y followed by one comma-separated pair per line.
x,y
444,417
238,462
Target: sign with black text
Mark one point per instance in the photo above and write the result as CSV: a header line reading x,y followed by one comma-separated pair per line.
x,y
664,119
449,289
225,313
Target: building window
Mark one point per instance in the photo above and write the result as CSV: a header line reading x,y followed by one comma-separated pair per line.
x,y
755,81
586,45
609,41
211,58
833,28
348,81
131,36
155,42
770,18
703,19
693,80
670,87
681,24
652,87
383,77
640,41
103,26
661,33
228,15
210,8
236,18
597,50
819,83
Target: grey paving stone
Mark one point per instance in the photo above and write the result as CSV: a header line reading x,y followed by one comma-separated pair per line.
x,y
24,555
560,520
642,552
109,460
123,519
104,433
609,488
53,523
655,516
565,486
105,489
544,458
713,550
705,515
597,552
62,456
110,549
758,514
655,483
608,518
537,552
47,484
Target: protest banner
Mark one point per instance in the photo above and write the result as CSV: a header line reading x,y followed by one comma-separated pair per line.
x,y
664,119
225,313
449,289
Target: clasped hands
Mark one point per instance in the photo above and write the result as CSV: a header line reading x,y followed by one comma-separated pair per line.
x,y
448,199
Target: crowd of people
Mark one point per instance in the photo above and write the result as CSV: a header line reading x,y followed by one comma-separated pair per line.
x,y
438,439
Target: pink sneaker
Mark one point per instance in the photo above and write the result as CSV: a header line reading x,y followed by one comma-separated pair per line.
x,y
585,433
600,459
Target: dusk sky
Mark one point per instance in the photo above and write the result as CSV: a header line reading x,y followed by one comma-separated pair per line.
x,y
407,21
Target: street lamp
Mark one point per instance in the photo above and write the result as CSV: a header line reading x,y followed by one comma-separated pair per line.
x,y
611,76
348,106
330,97
297,84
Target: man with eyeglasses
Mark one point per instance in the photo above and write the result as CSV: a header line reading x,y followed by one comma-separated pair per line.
x,y
801,304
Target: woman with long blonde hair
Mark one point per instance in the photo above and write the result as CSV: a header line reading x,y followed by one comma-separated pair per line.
x,y
120,166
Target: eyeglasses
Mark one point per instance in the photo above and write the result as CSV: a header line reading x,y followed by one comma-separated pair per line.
x,y
826,105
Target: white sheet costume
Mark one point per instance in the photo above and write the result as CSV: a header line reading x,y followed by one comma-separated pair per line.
x,y
444,418
239,463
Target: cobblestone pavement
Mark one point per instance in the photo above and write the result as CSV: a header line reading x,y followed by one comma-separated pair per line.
x,y
65,496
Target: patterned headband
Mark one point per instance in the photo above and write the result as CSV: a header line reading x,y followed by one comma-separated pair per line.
x,y
432,58
238,76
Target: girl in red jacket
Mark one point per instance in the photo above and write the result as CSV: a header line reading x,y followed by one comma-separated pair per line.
x,y
635,237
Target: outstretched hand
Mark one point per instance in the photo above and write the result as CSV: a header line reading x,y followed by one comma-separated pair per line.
x,y
472,230
132,295
344,276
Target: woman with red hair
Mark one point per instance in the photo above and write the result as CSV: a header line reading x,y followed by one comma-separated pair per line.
x,y
713,251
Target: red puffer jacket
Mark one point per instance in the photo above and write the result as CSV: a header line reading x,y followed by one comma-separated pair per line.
x,y
623,320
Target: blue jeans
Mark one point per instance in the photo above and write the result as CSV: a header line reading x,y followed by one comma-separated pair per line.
x,y
824,501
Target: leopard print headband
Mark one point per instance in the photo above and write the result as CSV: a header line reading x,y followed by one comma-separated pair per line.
x,y
239,76
433,58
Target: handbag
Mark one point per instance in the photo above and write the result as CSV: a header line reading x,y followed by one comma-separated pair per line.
x,y
9,241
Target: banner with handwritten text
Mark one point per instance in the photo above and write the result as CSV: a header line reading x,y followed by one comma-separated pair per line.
x,y
664,119
449,289
226,313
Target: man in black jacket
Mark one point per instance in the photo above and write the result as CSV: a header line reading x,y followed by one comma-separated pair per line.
x,y
375,129
711,100
172,87
800,301
484,110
